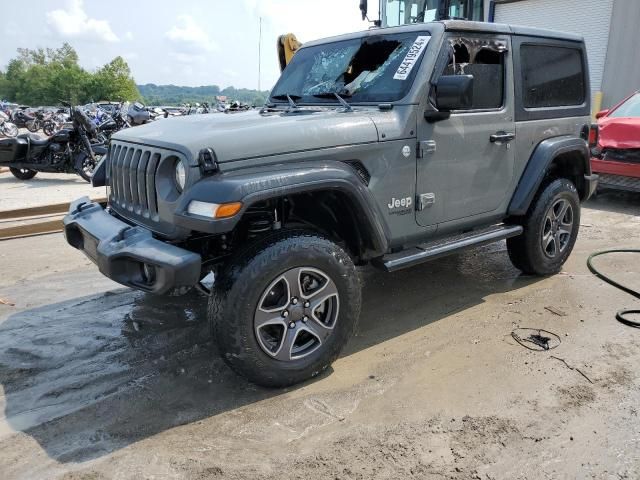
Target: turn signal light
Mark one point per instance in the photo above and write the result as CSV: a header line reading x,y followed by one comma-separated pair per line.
x,y
228,209
214,210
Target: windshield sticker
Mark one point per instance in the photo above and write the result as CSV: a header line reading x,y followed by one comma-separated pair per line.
x,y
411,58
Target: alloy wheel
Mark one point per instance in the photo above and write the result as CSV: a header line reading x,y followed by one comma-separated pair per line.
x,y
557,228
296,314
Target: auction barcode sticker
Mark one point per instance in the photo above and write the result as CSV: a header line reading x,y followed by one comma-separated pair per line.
x,y
411,58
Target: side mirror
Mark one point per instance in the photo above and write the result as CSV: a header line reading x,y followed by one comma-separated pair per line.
x,y
602,113
363,9
454,92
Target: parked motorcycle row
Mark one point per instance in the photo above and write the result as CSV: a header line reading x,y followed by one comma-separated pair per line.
x,y
76,148
78,136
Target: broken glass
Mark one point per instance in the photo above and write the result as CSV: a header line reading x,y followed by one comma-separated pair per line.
x,y
378,68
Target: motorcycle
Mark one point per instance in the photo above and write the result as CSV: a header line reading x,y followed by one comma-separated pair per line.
x,y
67,151
138,114
23,119
54,123
7,128
112,123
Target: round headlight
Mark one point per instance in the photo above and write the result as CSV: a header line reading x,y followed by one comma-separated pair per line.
x,y
181,175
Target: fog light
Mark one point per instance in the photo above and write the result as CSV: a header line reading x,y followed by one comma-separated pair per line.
x,y
148,273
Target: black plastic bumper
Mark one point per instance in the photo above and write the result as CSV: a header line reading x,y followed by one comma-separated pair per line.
x,y
128,255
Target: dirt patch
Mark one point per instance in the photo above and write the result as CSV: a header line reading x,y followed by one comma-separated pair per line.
x,y
617,377
576,396
123,385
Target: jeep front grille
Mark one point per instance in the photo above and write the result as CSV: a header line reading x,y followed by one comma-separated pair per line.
x,y
131,171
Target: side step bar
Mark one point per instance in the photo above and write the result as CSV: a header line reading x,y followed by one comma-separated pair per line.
x,y
447,246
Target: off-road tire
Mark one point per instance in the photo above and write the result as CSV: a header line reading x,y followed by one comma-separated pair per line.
x,y
23,173
238,291
526,251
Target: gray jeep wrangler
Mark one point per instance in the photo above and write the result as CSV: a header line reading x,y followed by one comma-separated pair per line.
x,y
392,146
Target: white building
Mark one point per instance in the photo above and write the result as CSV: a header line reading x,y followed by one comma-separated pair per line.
x,y
610,28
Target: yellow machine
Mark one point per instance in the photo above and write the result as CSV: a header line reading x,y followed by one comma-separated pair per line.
x,y
287,46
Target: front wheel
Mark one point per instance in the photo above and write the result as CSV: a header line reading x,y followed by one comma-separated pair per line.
x,y
282,311
9,129
33,126
550,230
23,173
85,165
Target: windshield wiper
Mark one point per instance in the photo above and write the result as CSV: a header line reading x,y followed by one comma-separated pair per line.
x,y
343,102
290,98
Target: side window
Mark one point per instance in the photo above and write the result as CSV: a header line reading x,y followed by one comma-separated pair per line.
x,y
485,61
552,76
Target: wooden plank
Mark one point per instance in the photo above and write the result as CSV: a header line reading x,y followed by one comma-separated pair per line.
x,y
41,210
31,229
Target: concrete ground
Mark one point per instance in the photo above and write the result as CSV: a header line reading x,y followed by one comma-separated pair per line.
x,y
99,381
43,189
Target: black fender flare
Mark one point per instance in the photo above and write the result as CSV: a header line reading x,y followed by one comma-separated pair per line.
x,y
255,185
538,166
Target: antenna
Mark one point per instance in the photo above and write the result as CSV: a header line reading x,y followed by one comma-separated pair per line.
x,y
260,55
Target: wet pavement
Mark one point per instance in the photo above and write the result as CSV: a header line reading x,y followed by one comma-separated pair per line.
x,y
100,381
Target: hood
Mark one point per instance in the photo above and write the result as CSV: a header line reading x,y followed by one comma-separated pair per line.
x,y
621,133
241,136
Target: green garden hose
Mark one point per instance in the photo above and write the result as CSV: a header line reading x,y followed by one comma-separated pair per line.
x,y
623,315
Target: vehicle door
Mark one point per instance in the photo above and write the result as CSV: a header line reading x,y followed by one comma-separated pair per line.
x,y
466,161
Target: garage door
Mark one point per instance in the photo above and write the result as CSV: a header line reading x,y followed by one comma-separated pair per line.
x,y
589,18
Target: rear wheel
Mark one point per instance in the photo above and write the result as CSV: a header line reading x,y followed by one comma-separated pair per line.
x,y
49,128
550,230
282,312
23,173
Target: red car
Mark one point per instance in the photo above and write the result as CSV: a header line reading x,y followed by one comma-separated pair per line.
x,y
615,145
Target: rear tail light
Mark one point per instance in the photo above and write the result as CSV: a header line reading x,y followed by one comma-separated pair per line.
x,y
593,136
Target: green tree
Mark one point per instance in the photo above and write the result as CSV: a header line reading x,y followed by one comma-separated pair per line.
x,y
46,76
114,82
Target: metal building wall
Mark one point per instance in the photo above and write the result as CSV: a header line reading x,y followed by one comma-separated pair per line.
x,y
622,66
589,18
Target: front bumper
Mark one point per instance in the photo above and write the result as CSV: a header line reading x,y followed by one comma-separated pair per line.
x,y
126,254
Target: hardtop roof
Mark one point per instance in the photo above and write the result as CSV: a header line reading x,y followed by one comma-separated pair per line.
x,y
455,26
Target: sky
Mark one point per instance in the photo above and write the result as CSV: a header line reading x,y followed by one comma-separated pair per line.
x,y
184,42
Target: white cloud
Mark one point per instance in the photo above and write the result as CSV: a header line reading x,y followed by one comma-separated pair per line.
x,y
75,23
188,37
317,20
128,36
230,72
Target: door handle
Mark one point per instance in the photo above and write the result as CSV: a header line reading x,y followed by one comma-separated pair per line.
x,y
500,137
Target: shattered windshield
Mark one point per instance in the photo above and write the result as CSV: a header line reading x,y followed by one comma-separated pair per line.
x,y
379,68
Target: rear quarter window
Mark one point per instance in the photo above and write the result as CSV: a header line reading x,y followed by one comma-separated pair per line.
x,y
552,76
